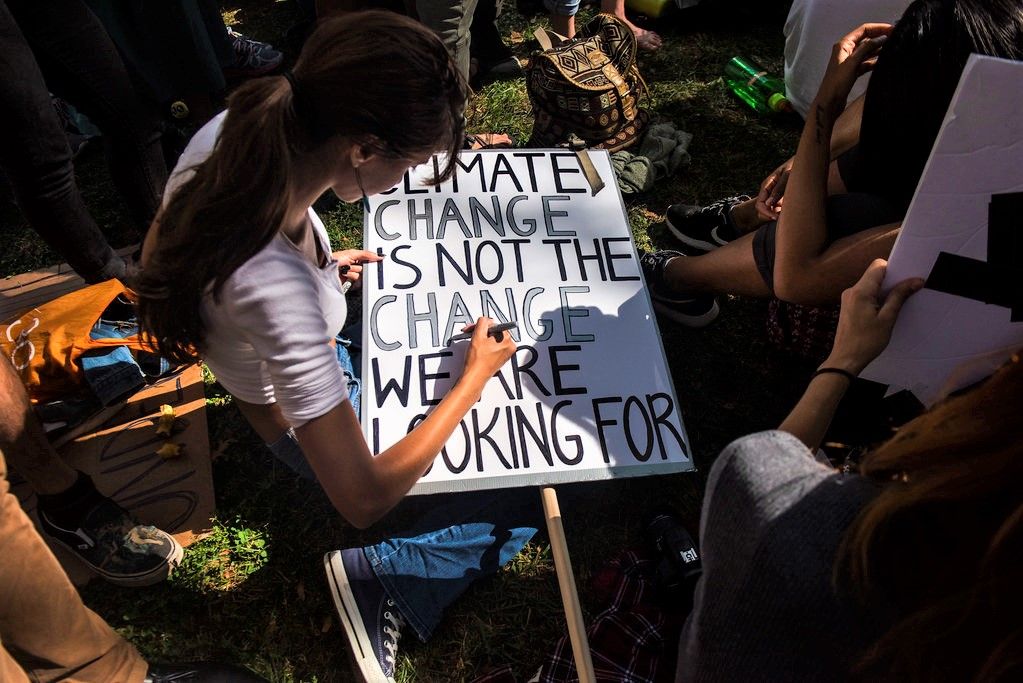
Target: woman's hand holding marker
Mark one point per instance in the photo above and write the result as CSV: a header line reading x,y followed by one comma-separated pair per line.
x,y
487,352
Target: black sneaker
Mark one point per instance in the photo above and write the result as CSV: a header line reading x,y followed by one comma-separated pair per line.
x,y
109,541
704,227
200,672
693,311
252,57
371,619
504,70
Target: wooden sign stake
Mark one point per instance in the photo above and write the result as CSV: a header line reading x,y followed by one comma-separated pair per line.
x,y
566,582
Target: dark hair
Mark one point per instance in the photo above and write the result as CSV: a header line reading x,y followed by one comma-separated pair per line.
x,y
941,548
916,75
377,78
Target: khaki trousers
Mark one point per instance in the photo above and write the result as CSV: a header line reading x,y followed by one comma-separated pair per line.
x,y
46,633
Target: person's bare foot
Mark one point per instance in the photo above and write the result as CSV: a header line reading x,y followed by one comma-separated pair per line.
x,y
488,141
648,41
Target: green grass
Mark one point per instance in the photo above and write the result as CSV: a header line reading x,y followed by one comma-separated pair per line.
x,y
223,560
254,592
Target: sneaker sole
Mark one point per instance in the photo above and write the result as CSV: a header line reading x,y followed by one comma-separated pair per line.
x,y
348,612
161,573
695,321
689,241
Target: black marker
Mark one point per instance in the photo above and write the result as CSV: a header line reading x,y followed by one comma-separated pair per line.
x,y
492,332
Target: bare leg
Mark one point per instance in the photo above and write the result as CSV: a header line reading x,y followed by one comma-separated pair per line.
x,y
745,216
563,24
648,40
727,270
23,442
731,269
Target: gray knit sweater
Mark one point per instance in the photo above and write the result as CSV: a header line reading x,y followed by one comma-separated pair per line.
x,y
765,609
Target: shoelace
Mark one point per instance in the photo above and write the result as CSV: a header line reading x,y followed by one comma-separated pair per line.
x,y
393,632
723,204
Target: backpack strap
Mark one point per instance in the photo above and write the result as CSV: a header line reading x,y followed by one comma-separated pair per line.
x,y
546,39
576,144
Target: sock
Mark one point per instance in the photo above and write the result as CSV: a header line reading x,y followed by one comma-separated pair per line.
x,y
69,508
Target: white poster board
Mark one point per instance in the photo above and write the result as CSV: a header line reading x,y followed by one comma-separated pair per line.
x,y
517,236
963,234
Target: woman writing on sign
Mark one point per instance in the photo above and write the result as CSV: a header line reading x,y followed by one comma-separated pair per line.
x,y
238,270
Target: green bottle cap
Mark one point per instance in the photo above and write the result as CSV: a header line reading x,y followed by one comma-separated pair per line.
x,y
778,102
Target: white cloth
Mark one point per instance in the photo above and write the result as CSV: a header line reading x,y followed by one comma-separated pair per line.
x,y
268,336
812,28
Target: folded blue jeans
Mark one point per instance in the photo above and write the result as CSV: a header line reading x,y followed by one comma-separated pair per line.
x,y
112,373
461,538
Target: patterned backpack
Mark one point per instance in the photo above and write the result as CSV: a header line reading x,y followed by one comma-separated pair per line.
x,y
588,87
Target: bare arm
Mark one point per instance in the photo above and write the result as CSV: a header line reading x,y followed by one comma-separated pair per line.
x,y
864,328
800,273
844,137
847,128
149,243
811,417
363,487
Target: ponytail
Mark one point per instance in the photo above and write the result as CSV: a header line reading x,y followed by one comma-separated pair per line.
x,y
375,77
211,225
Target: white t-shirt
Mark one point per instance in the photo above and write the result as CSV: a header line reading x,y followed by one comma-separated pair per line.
x,y
268,337
812,29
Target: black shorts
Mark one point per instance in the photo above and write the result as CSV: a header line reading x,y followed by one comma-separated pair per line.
x,y
861,175
847,214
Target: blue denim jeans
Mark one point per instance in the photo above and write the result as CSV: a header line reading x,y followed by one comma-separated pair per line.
x,y
349,356
564,8
112,373
461,538
115,372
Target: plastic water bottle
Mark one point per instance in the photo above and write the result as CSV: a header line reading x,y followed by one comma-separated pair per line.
x,y
752,84
651,8
655,8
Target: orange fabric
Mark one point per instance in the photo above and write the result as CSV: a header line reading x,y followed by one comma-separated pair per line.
x,y
45,343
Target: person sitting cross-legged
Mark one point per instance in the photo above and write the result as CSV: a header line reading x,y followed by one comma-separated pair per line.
x,y
825,214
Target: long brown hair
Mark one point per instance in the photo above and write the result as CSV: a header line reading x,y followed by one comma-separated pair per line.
x,y
377,78
941,548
